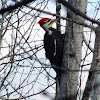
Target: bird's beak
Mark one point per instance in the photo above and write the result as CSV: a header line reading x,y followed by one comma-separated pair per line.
x,y
52,21
55,20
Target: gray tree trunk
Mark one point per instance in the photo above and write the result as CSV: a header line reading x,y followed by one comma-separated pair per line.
x,y
96,88
72,53
58,27
94,68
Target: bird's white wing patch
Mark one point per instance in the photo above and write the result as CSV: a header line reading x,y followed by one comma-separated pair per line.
x,y
55,47
50,32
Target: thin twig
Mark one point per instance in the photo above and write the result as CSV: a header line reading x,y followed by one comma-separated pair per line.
x,y
64,18
78,12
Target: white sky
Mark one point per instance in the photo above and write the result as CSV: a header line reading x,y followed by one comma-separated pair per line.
x,y
42,82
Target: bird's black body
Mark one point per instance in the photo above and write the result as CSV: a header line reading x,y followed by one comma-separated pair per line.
x,y
53,45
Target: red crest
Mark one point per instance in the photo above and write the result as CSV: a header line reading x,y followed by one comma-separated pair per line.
x,y
43,20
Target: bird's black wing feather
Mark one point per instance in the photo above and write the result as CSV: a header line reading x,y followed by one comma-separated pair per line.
x,y
49,47
59,46
54,51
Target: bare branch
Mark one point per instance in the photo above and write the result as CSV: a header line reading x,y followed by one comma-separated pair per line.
x,y
87,44
64,18
77,11
18,4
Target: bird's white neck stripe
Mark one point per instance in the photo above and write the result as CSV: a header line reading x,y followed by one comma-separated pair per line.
x,y
55,47
50,32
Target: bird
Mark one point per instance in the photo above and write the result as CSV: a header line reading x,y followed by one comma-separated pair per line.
x,y
53,43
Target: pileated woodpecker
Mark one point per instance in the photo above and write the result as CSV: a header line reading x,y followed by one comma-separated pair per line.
x,y
53,43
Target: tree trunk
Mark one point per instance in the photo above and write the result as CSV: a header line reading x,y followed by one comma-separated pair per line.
x,y
58,27
72,53
94,67
96,87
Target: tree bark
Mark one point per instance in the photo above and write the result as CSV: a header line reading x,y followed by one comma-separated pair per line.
x,y
94,67
96,87
72,52
58,27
